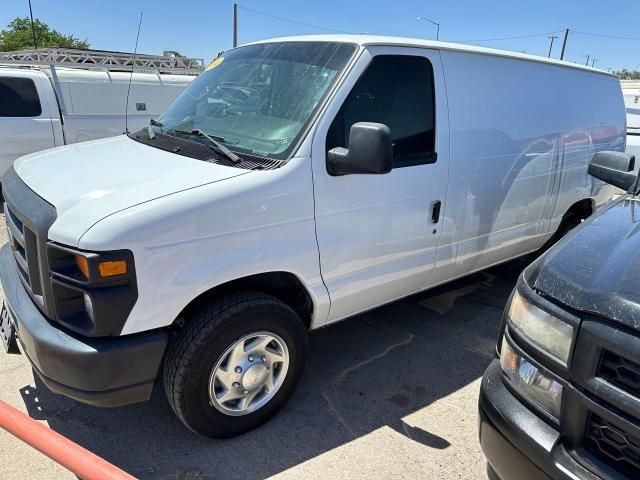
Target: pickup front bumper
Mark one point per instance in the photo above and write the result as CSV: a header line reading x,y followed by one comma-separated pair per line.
x,y
105,371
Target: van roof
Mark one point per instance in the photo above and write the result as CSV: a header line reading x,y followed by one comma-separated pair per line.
x,y
383,40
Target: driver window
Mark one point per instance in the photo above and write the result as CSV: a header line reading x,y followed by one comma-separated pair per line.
x,y
398,92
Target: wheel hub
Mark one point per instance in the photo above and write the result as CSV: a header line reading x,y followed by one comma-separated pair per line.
x,y
255,377
249,373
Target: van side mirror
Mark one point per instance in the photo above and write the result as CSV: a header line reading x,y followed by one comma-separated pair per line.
x,y
615,168
370,151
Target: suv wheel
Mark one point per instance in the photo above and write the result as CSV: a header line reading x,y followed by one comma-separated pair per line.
x,y
235,364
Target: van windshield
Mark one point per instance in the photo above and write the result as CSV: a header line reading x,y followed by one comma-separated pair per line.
x,y
258,99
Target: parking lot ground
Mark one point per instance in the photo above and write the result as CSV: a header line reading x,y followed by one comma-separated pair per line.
x,y
389,394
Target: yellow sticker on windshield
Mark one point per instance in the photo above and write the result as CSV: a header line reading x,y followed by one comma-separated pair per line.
x,y
215,63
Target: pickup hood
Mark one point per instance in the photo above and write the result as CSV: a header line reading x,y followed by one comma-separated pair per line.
x,y
88,181
596,269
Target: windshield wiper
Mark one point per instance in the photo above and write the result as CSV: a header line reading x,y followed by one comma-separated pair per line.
x,y
218,146
228,153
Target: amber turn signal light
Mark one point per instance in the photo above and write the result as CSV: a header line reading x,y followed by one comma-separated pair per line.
x,y
83,265
105,269
113,268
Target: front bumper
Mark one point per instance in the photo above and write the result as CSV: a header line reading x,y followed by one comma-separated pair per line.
x,y
516,442
107,371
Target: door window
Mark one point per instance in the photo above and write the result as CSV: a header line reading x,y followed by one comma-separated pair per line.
x,y
19,98
398,92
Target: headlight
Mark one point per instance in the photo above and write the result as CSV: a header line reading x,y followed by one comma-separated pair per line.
x,y
92,293
531,381
551,334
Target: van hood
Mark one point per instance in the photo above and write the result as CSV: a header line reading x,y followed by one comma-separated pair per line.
x,y
596,269
88,181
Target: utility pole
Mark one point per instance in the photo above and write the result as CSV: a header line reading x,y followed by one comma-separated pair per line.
x,y
33,30
593,62
564,43
235,24
588,57
552,38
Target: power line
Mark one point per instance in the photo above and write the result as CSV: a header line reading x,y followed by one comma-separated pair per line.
x,y
509,38
291,20
604,35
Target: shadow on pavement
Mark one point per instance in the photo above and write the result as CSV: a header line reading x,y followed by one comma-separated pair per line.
x,y
365,373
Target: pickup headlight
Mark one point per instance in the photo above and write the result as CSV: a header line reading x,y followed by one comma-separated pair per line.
x,y
551,334
531,381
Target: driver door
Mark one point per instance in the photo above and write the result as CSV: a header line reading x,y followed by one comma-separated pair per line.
x,y
378,234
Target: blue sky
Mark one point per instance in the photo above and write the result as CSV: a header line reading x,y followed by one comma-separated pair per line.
x,y
202,28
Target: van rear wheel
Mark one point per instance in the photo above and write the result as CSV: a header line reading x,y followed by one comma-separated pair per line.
x,y
235,364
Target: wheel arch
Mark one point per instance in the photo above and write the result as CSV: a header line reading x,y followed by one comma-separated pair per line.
x,y
574,215
283,285
586,206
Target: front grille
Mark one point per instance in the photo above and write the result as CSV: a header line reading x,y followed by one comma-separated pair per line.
x,y
28,218
25,250
614,446
621,372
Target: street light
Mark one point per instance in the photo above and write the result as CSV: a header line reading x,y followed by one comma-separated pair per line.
x,y
435,23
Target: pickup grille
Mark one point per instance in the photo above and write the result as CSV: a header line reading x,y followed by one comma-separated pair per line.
x,y
614,446
621,372
601,415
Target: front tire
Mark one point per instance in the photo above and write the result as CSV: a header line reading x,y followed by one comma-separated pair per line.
x,y
235,364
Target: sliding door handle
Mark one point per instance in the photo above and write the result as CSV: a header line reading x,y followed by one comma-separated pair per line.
x,y
435,211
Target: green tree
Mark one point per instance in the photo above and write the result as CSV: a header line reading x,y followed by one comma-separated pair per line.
x,y
18,35
625,74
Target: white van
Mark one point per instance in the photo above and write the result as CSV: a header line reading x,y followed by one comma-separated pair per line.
x,y
295,183
631,92
46,106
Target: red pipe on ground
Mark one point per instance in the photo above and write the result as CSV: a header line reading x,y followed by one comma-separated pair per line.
x,y
71,456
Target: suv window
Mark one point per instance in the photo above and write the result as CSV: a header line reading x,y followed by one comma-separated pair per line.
x,y
19,98
397,91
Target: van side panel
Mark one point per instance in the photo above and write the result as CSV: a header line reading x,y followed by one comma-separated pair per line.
x,y
22,135
95,101
605,110
522,133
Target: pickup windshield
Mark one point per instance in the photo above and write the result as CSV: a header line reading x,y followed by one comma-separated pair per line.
x,y
258,99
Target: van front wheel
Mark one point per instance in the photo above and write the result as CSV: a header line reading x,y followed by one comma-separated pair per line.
x,y
235,364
